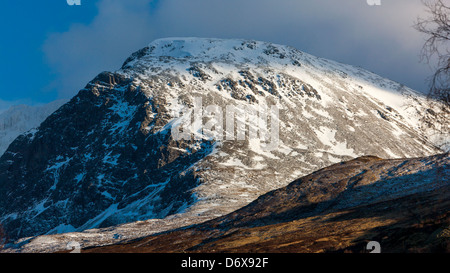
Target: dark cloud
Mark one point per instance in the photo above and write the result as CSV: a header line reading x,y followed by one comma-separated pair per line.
x,y
378,38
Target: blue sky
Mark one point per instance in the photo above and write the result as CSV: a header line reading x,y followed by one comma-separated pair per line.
x,y
24,27
49,50
29,72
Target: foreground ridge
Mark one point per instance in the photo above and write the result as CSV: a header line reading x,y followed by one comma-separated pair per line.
x,y
402,203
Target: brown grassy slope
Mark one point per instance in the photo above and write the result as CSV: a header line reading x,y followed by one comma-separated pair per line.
x,y
404,204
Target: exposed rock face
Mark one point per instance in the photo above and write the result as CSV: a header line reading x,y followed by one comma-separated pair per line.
x,y
402,204
90,152
108,156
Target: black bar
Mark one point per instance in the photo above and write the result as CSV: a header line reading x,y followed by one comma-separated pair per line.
x,y
224,262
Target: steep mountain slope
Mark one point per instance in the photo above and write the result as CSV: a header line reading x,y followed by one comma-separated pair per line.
x,y
22,118
401,203
110,156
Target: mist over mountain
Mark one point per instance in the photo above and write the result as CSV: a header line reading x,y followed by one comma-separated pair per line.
x,y
21,118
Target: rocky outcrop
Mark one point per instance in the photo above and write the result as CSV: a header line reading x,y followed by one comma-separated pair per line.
x,y
92,158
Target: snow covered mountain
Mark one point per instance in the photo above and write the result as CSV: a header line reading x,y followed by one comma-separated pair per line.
x,y
22,118
110,156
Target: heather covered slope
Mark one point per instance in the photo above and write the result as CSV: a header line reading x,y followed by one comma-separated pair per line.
x,y
403,204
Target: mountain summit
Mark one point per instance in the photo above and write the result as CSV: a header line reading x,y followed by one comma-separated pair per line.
x,y
109,155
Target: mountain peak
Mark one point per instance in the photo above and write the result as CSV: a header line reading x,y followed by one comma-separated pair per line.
x,y
209,49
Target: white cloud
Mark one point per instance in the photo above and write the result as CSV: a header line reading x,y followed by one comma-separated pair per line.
x,y
379,38
80,53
